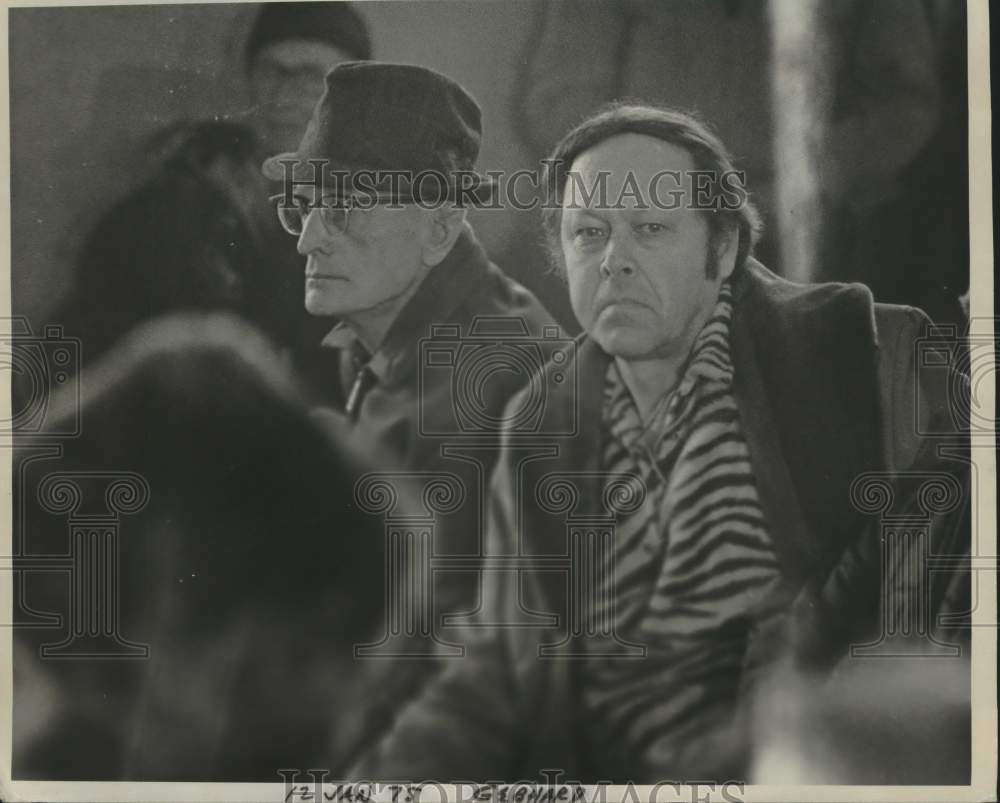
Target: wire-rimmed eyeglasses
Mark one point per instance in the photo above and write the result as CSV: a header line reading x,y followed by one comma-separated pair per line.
x,y
334,213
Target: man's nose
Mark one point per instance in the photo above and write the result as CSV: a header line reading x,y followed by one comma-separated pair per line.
x,y
314,236
618,259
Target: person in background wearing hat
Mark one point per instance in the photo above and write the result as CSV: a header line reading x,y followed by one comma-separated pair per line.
x,y
395,260
200,234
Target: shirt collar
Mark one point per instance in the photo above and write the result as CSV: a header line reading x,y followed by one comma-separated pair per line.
x,y
444,288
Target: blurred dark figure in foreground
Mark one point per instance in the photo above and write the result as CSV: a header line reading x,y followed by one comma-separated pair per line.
x,y
250,573
201,234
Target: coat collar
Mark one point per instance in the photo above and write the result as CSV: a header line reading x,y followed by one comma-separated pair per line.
x,y
808,358
444,289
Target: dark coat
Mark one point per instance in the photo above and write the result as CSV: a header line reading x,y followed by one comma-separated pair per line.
x,y
826,384
467,341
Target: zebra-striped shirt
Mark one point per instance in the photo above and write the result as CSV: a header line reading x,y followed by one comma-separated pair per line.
x,y
689,566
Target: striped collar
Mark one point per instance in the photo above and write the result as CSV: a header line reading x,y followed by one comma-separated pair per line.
x,y
710,361
710,357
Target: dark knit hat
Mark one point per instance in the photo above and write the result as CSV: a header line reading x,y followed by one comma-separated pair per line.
x,y
336,23
379,117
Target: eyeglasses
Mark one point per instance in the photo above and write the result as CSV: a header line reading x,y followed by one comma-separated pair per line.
x,y
334,213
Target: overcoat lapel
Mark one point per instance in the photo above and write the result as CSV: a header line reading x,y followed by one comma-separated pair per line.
x,y
806,360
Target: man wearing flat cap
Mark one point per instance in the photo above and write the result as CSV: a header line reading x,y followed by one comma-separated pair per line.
x,y
376,194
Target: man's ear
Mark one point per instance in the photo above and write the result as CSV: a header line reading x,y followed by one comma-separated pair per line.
x,y
726,245
443,227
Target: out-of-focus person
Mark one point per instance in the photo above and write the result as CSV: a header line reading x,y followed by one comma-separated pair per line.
x,y
239,560
201,234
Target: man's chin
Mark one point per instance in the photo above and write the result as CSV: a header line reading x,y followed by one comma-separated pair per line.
x,y
318,304
624,342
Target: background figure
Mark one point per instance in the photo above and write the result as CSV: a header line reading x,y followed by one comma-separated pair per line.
x,y
250,573
201,233
869,117
850,92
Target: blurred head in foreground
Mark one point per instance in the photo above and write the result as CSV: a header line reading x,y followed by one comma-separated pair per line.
x,y
250,573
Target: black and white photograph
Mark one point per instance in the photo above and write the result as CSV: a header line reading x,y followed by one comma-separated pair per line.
x,y
498,401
